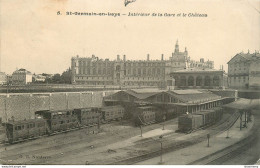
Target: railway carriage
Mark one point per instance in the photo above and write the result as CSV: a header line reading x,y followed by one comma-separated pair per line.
x,y
60,120
110,113
20,130
88,116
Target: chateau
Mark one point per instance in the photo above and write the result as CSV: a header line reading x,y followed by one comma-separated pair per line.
x,y
95,71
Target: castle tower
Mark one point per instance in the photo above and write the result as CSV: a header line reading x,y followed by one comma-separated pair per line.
x,y
176,47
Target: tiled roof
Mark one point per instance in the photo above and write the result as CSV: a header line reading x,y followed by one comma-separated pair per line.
x,y
22,71
247,56
243,104
141,95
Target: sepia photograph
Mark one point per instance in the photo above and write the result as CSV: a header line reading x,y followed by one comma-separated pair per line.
x,y
129,82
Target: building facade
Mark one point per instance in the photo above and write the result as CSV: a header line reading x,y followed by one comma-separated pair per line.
x,y
200,78
95,71
254,74
243,70
21,77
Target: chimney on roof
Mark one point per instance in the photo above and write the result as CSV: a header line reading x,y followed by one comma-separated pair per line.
x,y
93,56
124,58
202,60
148,57
118,57
248,51
162,57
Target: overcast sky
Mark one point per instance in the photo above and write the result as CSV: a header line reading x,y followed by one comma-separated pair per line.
x,y
34,37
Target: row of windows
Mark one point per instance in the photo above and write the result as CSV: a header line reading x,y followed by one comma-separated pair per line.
x,y
88,118
238,64
89,63
149,116
138,71
94,77
116,112
240,77
30,125
63,122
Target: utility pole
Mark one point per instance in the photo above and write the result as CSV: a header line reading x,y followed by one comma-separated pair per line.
x,y
161,159
227,129
164,118
241,113
141,130
245,119
208,136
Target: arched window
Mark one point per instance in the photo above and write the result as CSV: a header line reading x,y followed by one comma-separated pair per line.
x,y
177,80
190,81
198,81
183,81
207,81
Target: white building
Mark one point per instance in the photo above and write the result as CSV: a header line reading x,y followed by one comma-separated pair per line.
x,y
21,77
3,78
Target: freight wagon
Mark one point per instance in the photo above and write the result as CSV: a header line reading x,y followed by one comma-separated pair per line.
x,y
190,122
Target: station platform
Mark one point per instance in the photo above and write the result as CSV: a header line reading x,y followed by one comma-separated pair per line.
x,y
194,153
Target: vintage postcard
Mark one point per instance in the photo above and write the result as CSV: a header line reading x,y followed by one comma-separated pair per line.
x,y
130,82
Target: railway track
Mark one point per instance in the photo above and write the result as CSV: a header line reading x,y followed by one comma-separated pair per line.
x,y
169,146
81,145
225,154
61,141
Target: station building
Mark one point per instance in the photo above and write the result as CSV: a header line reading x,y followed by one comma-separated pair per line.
x,y
178,101
200,78
95,71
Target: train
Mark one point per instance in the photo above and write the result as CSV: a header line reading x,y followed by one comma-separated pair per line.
x,y
190,122
50,122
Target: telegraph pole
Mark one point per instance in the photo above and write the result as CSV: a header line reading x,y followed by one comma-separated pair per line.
x,y
208,136
161,159
141,130
227,129
241,113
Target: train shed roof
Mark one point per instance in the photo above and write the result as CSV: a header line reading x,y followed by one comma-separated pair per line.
x,y
244,104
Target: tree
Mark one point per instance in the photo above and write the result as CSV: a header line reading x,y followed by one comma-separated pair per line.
x,y
66,76
56,78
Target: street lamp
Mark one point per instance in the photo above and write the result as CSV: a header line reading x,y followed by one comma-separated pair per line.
x,y
227,129
164,118
241,113
141,130
161,161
